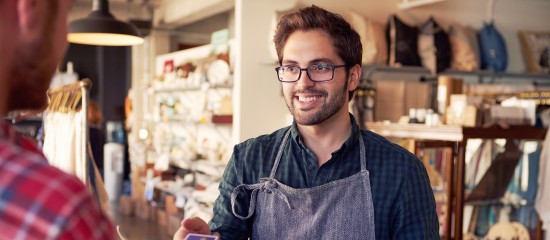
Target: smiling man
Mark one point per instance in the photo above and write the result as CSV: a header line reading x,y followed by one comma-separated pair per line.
x,y
322,177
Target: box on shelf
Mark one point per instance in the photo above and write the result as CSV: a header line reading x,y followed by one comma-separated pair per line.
x,y
222,119
174,223
161,217
138,191
126,205
143,210
170,205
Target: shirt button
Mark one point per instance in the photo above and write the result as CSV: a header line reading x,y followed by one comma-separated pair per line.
x,y
311,167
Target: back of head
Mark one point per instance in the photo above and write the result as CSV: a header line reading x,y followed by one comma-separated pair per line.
x,y
344,38
33,41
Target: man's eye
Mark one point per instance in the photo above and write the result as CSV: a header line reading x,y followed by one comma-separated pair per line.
x,y
291,68
320,67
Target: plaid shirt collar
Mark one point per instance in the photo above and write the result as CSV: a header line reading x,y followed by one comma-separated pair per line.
x,y
8,134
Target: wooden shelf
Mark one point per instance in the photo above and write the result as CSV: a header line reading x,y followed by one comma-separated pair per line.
x,y
408,4
417,131
417,72
459,135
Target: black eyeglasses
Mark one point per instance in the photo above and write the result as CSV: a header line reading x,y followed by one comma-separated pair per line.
x,y
315,72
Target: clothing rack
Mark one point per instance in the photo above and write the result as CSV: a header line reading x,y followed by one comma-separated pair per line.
x,y
74,98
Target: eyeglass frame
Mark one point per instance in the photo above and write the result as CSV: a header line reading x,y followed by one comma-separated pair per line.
x,y
306,69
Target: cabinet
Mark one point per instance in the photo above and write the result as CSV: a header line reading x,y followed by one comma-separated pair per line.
x,y
457,137
189,115
190,105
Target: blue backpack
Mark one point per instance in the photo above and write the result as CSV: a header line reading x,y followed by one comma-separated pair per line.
x,y
492,49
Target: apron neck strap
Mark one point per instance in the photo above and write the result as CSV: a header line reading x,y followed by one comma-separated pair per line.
x,y
362,152
279,154
283,143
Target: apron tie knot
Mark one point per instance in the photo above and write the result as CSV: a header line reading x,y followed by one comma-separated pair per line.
x,y
269,186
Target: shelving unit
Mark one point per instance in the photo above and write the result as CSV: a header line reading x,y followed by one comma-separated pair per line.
x,y
426,137
418,73
460,136
407,4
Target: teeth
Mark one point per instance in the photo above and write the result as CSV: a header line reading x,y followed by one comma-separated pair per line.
x,y
306,99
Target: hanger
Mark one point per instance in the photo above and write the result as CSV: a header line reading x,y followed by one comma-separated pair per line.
x,y
490,10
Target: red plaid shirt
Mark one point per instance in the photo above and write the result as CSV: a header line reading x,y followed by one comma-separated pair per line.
x,y
38,201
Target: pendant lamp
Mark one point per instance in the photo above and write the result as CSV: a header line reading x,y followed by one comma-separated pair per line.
x,y
101,28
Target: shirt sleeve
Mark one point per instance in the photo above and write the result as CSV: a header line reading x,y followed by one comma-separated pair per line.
x,y
223,221
87,221
415,216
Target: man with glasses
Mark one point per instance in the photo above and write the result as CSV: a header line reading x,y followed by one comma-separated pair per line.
x,y
323,177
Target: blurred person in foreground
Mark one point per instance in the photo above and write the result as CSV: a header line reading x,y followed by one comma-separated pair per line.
x,y
37,201
322,177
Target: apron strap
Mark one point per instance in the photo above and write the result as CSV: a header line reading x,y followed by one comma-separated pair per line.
x,y
362,152
269,186
279,153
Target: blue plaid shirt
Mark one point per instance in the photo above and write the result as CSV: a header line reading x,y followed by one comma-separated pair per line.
x,y
403,200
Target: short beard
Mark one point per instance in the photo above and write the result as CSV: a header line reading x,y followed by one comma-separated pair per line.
x,y
327,110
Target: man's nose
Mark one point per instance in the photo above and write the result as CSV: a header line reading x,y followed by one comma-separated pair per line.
x,y
304,79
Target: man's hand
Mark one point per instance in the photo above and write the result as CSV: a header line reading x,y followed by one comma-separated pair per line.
x,y
192,225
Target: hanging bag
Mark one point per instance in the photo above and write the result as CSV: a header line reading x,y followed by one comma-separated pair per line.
x,y
492,48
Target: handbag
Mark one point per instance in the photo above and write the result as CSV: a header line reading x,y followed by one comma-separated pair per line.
x,y
492,48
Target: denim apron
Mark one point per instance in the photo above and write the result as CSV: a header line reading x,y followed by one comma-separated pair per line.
x,y
341,209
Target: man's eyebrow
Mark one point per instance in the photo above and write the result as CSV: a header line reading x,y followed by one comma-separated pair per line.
x,y
321,60
314,61
289,62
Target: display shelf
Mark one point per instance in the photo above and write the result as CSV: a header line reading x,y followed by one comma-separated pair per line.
x,y
221,86
417,131
172,89
442,136
422,73
459,135
381,71
533,78
408,4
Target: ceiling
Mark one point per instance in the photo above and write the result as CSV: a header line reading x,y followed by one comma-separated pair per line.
x,y
121,9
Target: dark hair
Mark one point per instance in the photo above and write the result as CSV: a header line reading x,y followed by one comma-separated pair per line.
x,y
344,38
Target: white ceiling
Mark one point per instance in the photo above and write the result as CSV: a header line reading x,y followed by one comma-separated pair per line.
x,y
121,9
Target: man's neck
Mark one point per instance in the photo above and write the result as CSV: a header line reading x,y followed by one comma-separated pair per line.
x,y
327,137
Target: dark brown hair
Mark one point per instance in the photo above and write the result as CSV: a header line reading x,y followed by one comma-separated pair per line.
x,y
344,38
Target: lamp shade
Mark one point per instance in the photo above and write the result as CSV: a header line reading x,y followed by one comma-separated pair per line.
x,y
101,28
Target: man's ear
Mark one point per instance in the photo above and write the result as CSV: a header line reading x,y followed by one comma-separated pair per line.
x,y
354,76
28,15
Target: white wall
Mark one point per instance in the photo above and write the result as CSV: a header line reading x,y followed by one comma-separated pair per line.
x,y
258,92
257,98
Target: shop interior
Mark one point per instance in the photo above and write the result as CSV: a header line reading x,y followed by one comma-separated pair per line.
x,y
471,101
